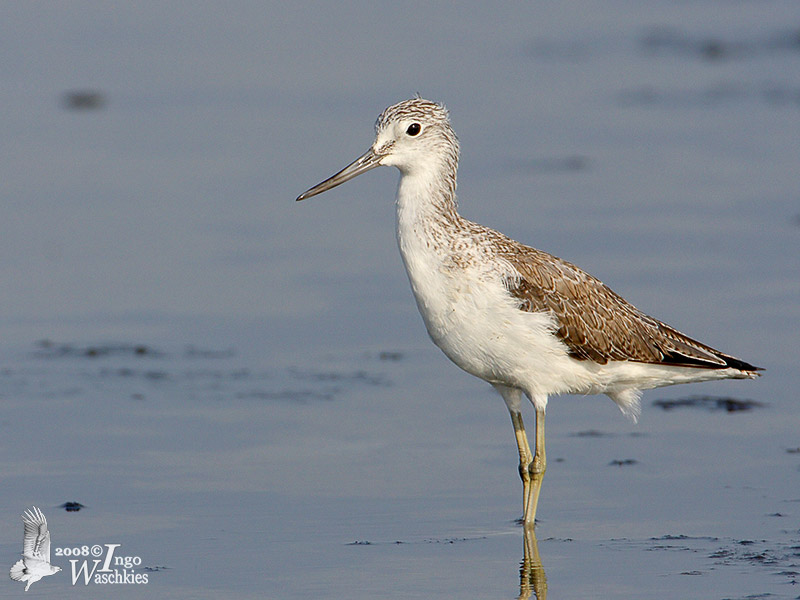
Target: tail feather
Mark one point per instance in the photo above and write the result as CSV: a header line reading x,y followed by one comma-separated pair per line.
x,y
745,367
17,571
723,361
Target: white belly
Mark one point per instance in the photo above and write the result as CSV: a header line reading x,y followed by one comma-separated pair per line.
x,y
474,320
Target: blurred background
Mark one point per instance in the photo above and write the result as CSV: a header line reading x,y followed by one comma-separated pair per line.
x,y
203,362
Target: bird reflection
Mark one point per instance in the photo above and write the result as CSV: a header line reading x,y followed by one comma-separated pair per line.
x,y
532,578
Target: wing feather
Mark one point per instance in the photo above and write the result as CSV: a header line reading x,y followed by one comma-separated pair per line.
x,y
36,537
597,324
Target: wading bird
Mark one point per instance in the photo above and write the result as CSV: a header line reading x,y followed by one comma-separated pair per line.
x,y
519,318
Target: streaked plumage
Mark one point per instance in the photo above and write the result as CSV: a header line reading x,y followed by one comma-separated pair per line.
x,y
521,319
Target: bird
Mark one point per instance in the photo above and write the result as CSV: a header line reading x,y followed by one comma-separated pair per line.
x,y
35,561
528,323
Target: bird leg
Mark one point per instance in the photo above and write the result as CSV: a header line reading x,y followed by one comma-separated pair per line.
x,y
525,458
536,469
531,466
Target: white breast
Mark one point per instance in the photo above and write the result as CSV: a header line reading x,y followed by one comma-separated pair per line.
x,y
468,312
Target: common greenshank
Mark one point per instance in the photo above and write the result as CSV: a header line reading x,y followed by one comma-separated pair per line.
x,y
523,320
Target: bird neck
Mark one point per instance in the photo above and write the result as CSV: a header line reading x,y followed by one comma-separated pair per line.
x,y
427,193
427,221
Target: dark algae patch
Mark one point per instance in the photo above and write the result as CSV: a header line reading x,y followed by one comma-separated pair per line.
x,y
711,403
50,349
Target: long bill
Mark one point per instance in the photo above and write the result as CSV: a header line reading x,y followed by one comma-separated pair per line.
x,y
365,162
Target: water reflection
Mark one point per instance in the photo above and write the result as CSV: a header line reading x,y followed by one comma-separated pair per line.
x,y
532,578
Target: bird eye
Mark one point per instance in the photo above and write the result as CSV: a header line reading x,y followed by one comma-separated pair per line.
x,y
413,129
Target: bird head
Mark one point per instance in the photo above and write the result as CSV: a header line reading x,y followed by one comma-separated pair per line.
x,y
414,136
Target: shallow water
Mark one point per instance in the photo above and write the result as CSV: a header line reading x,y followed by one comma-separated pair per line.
x,y
238,387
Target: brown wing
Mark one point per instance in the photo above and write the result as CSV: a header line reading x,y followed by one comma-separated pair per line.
x,y
597,324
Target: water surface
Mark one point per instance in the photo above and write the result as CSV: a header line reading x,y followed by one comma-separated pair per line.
x,y
239,388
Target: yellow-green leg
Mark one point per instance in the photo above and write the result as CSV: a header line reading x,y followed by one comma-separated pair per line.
x,y
525,460
536,469
531,465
